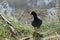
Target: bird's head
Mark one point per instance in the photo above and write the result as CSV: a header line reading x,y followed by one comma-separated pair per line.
x,y
33,13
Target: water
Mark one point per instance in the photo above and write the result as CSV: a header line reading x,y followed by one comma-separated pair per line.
x,y
47,1
52,13
4,6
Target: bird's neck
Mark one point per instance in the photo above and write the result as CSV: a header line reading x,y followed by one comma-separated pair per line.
x,y
35,17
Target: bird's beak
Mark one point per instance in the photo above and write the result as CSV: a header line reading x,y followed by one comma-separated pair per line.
x,y
30,12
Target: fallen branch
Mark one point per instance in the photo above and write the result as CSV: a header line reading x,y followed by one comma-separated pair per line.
x,y
13,30
49,37
25,38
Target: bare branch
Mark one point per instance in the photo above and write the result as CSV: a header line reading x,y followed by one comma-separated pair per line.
x,y
13,30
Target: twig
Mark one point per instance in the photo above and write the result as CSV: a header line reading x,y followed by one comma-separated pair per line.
x,y
25,38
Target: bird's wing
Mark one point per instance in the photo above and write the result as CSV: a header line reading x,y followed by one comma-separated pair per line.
x,y
32,20
39,17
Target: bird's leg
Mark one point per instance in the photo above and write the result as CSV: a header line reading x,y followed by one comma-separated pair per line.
x,y
35,29
36,35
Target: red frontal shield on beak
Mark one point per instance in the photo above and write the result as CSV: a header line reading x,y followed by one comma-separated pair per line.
x,y
30,12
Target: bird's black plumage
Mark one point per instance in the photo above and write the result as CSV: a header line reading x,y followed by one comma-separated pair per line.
x,y
36,22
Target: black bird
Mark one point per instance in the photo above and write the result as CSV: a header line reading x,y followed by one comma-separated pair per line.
x,y
36,23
